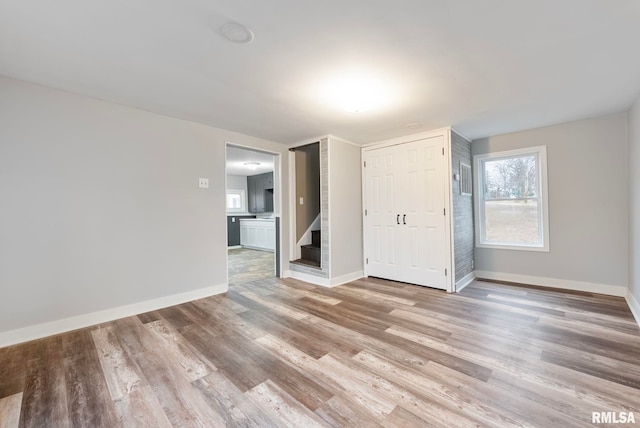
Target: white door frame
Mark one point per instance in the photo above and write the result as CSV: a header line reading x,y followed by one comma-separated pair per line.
x,y
277,203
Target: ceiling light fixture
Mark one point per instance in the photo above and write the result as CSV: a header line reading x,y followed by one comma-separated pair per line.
x,y
237,33
355,92
252,165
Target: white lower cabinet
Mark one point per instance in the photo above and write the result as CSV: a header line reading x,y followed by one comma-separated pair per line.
x,y
259,234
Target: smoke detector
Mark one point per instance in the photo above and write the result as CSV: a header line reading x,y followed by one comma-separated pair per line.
x,y
237,33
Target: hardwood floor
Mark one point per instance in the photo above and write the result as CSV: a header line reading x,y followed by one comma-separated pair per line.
x,y
370,353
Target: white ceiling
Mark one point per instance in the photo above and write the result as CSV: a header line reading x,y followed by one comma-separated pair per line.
x,y
236,158
482,66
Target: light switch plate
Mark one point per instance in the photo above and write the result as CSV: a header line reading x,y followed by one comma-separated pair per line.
x,y
203,183
301,201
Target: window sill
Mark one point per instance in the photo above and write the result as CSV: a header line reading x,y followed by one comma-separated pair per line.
x,y
544,249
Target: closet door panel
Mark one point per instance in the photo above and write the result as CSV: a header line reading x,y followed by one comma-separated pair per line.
x,y
381,188
426,220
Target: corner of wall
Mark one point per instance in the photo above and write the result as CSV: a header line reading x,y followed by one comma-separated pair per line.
x,y
633,158
464,281
634,306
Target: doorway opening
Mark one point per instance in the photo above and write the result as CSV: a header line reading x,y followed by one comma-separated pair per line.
x,y
253,223
307,214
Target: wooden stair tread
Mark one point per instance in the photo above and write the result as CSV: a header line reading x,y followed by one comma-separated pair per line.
x,y
306,262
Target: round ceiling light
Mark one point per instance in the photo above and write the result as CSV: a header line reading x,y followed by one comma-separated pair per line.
x,y
252,165
237,33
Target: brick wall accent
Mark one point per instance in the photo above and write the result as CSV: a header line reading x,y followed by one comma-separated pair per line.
x,y
463,232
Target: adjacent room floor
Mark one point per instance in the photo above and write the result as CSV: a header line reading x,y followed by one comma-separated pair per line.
x,y
369,353
246,265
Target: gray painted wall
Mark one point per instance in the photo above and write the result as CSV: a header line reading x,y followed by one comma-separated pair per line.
x,y
345,206
463,232
307,187
100,205
634,200
588,206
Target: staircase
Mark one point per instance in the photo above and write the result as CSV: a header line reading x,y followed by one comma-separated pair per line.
x,y
311,255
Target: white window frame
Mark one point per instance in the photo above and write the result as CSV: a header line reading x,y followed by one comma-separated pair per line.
x,y
243,201
542,198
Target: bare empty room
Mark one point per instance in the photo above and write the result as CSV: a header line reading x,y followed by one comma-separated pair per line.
x,y
336,214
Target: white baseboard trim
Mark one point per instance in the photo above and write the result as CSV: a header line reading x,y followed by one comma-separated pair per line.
x,y
234,247
343,279
323,282
311,279
271,250
633,305
466,280
39,331
589,287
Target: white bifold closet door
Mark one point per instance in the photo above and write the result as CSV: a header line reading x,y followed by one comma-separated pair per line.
x,y
405,233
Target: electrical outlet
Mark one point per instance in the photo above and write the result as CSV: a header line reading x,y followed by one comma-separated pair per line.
x,y
301,201
203,183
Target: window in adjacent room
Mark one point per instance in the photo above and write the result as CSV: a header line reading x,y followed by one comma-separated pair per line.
x,y
511,200
235,201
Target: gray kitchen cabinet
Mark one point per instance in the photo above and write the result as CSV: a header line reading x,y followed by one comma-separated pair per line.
x,y
255,194
260,192
268,181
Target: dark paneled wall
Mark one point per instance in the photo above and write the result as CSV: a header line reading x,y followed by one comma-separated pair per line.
x,y
233,229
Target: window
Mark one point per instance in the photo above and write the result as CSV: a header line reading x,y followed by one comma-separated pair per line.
x,y
236,201
511,200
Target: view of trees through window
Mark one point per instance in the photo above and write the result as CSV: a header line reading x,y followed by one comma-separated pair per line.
x,y
510,190
510,178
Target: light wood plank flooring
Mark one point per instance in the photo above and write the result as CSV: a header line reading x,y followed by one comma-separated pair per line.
x,y
371,353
